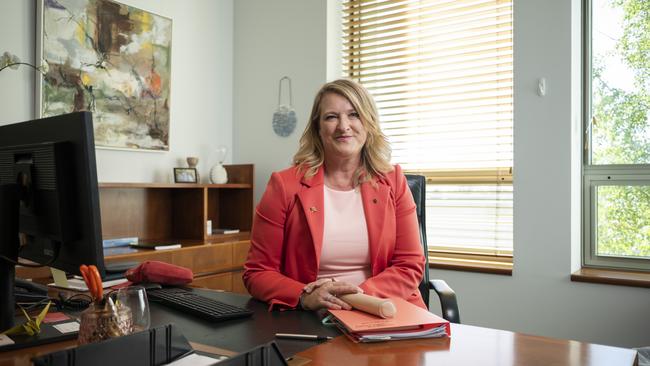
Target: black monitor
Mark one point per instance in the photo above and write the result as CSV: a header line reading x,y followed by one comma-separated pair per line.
x,y
49,200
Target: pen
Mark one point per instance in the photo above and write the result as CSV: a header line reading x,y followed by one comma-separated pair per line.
x,y
311,337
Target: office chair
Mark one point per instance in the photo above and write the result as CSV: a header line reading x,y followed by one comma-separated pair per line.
x,y
447,296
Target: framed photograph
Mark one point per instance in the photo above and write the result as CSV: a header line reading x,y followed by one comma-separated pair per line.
x,y
110,59
185,175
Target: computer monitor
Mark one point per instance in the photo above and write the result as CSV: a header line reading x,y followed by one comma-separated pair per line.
x,y
48,193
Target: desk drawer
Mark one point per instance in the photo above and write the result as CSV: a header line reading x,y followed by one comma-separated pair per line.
x,y
221,281
200,258
142,256
238,283
205,258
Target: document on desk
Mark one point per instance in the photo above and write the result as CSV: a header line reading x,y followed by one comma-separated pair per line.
x,y
5,340
195,359
80,285
410,321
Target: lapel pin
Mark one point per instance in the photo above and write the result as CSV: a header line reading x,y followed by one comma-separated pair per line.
x,y
313,209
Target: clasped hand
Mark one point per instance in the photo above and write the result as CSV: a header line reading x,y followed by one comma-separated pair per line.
x,y
325,293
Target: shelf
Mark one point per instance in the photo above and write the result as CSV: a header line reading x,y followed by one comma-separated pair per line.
x,y
186,244
174,185
218,238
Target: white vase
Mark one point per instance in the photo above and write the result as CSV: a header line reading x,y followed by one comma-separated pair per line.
x,y
218,174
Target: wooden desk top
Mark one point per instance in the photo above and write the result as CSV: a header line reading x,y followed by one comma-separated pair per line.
x,y
23,357
469,345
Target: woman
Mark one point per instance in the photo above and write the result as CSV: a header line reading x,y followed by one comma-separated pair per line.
x,y
342,219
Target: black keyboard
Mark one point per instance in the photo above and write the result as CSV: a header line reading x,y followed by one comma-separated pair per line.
x,y
198,305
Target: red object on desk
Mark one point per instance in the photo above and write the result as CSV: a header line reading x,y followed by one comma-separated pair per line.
x,y
93,281
54,317
160,272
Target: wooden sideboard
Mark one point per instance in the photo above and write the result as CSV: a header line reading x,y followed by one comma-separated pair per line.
x,y
179,213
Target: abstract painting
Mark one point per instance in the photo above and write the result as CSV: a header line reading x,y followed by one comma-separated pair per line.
x,y
113,60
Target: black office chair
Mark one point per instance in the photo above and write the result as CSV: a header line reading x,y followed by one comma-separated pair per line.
x,y
447,296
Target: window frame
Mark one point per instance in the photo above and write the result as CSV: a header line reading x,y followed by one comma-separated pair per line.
x,y
599,176
595,175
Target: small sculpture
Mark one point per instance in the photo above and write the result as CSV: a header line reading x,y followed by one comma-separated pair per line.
x,y
192,162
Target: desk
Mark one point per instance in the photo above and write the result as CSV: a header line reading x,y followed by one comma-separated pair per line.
x,y
468,345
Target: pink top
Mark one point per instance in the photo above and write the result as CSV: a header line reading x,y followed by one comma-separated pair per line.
x,y
345,255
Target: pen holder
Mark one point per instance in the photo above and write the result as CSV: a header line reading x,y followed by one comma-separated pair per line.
x,y
102,320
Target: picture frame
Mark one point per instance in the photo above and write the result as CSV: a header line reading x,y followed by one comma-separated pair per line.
x,y
185,175
111,59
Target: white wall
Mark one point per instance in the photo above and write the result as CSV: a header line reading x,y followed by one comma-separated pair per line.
x,y
274,39
285,37
17,30
202,84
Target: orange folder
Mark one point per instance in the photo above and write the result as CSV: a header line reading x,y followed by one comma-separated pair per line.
x,y
410,321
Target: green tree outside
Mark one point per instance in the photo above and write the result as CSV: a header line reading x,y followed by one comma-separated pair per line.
x,y
621,135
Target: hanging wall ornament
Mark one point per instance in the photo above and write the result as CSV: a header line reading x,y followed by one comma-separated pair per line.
x,y
284,118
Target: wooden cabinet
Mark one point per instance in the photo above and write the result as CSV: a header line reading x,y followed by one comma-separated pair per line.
x,y
179,212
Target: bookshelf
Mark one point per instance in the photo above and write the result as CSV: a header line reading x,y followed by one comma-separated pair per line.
x,y
179,212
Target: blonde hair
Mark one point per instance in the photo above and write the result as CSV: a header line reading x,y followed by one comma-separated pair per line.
x,y
375,154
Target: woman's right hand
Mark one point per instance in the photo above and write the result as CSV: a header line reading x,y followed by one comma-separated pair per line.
x,y
325,294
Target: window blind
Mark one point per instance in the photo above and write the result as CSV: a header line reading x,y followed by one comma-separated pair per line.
x,y
441,73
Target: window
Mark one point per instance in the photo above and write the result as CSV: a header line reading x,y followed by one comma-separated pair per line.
x,y
616,173
441,74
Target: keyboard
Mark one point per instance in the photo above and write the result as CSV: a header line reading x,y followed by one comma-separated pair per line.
x,y
197,305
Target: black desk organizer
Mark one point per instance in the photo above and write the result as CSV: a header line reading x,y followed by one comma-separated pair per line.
x,y
265,355
157,346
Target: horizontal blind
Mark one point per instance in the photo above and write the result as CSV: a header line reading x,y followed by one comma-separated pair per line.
x,y
441,73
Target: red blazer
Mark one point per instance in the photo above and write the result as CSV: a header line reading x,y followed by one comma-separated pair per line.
x,y
287,238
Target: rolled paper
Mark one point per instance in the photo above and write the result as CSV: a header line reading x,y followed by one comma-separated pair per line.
x,y
370,304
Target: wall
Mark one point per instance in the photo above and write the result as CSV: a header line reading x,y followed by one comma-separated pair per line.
x,y
285,38
202,83
274,39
